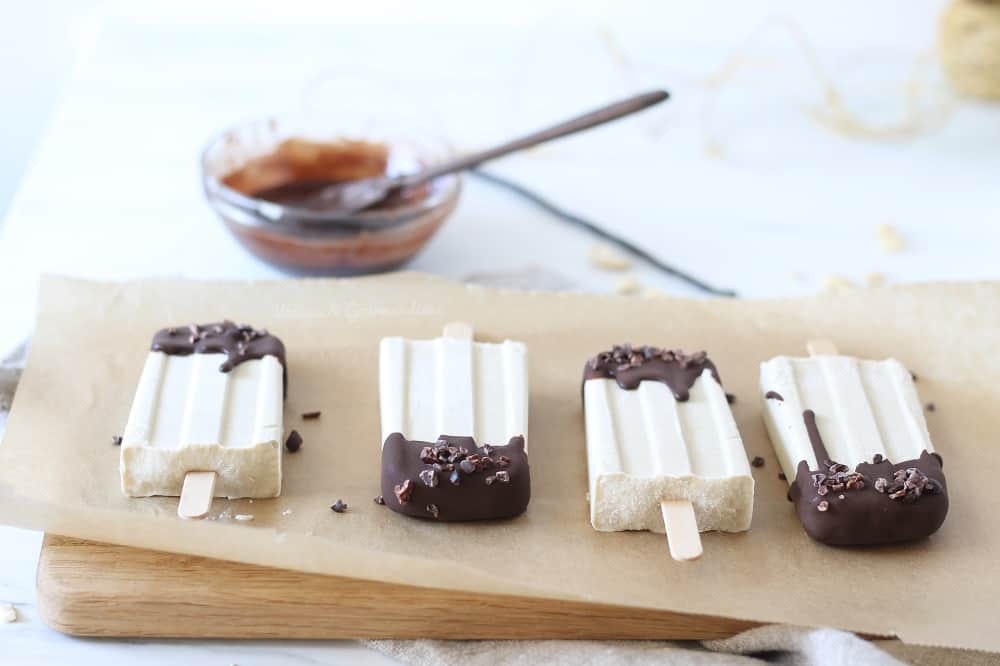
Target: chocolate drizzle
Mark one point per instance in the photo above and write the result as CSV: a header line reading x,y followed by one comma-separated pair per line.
x,y
629,366
878,503
454,480
238,343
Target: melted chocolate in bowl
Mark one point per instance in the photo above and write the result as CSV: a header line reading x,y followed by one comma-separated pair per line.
x,y
298,168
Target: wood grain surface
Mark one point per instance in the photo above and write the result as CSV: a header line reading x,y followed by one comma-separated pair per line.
x,y
94,589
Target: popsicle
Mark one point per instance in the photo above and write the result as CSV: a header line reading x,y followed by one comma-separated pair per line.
x,y
454,426
837,423
663,450
206,420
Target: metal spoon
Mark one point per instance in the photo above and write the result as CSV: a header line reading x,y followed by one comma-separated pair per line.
x,y
352,196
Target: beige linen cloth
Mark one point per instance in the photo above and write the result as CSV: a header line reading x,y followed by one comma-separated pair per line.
x,y
773,644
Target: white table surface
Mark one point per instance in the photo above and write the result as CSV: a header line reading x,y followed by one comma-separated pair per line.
x,y
112,191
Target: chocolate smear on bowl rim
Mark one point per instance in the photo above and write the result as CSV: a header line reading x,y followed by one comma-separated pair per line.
x,y
462,480
629,366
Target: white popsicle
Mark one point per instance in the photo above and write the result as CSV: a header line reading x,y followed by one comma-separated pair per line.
x,y
862,407
452,385
646,449
189,416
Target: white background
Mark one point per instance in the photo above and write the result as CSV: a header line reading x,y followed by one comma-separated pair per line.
x,y
106,179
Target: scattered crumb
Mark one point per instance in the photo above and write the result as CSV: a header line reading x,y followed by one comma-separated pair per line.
x,y
379,500
294,441
286,512
116,440
309,416
875,279
930,407
730,398
608,258
837,283
339,506
781,475
889,239
913,376
715,150
7,614
757,461
627,286
244,517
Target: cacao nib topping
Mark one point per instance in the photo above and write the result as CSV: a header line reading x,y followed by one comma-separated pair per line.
x,y
404,491
629,366
429,477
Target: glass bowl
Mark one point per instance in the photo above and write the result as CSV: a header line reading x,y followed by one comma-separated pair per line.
x,y
306,241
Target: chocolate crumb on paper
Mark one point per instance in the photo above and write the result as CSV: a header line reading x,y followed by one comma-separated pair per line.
x,y
294,441
311,416
379,500
116,440
781,475
758,461
730,398
339,506
930,407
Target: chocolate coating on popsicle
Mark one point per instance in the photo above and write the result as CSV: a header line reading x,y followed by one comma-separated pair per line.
x,y
238,343
878,503
453,480
629,366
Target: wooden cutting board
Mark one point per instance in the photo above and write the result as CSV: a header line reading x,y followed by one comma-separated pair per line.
x,y
95,589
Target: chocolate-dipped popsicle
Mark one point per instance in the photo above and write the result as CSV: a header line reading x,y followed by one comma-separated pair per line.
x,y
851,438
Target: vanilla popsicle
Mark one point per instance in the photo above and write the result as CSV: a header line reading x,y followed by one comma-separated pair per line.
x,y
828,416
209,400
454,426
661,436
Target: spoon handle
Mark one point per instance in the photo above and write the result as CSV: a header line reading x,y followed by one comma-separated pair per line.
x,y
580,123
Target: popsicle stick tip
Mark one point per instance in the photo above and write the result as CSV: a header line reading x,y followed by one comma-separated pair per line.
x,y
196,495
821,348
457,329
682,529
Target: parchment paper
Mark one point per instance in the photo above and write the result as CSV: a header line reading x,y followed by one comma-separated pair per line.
x,y
59,469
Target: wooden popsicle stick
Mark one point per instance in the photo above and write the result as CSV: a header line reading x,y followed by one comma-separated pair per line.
x,y
196,495
821,348
458,330
682,529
